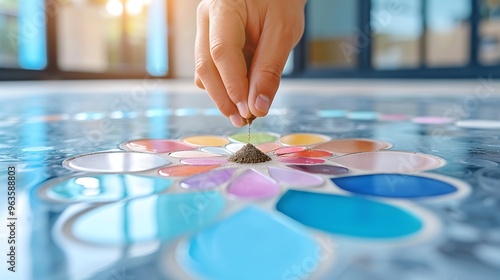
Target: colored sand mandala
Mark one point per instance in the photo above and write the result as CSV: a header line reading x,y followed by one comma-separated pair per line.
x,y
182,186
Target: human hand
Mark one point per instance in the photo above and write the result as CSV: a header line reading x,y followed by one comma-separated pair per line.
x,y
241,49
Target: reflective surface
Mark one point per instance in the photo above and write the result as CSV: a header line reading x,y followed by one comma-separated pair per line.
x,y
141,220
115,162
142,235
268,238
349,216
105,188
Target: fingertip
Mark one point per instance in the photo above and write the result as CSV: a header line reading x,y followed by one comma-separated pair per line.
x,y
261,105
198,82
237,120
264,83
243,109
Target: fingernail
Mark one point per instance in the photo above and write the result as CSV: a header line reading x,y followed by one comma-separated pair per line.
x,y
243,109
262,103
236,120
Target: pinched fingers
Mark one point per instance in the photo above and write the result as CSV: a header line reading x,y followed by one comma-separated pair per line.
x,y
207,74
282,30
227,19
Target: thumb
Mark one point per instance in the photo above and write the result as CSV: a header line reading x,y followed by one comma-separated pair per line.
x,y
265,78
271,54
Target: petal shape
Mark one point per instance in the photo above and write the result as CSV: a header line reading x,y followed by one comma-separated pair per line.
x,y
393,117
437,120
332,113
160,217
294,178
321,169
104,188
268,147
362,115
234,147
351,146
157,145
394,185
192,154
115,162
216,150
204,161
206,140
185,170
390,161
247,247
253,185
302,160
290,149
348,215
255,138
303,139
309,154
478,124
208,180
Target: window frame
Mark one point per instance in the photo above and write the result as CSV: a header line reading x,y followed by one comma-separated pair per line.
x,y
365,70
54,72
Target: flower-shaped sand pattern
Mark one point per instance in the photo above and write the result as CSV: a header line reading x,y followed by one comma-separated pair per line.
x,y
339,186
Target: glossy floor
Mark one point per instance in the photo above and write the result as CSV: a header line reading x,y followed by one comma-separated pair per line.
x,y
414,192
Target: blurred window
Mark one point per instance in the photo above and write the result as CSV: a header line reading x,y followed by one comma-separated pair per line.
x,y
84,38
124,36
401,38
332,29
447,33
489,32
397,28
23,34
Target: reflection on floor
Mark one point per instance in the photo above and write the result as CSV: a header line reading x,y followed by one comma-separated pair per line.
x,y
132,182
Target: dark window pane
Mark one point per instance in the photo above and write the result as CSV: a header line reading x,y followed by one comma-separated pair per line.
x,y
489,32
332,29
397,30
448,32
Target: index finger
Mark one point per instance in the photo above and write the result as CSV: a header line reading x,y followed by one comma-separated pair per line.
x,y
227,40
